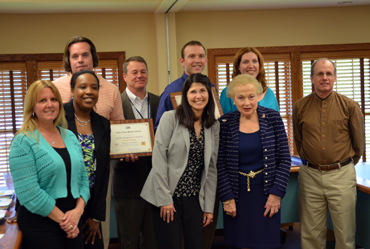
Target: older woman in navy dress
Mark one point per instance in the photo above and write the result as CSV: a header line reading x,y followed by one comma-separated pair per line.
x,y
253,168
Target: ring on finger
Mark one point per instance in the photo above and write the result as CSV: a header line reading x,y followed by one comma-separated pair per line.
x,y
277,210
71,226
168,211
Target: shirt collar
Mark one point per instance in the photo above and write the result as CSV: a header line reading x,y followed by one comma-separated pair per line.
x,y
327,97
133,97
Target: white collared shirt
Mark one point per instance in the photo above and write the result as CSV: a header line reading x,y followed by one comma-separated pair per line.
x,y
139,105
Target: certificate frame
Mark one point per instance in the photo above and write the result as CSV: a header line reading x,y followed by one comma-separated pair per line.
x,y
176,101
125,125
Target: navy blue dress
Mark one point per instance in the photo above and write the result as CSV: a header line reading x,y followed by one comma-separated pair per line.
x,y
250,229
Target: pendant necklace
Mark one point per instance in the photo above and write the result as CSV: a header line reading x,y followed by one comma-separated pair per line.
x,y
52,139
82,122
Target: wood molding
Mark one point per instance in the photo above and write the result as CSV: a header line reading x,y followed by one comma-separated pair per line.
x,y
32,59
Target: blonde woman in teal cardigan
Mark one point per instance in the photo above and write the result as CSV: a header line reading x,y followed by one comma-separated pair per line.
x,y
49,173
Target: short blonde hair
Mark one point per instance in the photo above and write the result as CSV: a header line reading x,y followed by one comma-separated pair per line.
x,y
30,123
241,80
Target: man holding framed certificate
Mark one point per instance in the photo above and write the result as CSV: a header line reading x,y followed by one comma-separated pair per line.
x,y
133,214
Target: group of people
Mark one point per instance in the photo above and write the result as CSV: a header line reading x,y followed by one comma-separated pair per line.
x,y
61,165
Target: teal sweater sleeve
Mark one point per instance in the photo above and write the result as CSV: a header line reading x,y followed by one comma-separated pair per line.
x,y
269,101
227,104
39,173
24,169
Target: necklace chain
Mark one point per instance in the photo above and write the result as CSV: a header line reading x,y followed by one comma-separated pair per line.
x,y
82,122
52,139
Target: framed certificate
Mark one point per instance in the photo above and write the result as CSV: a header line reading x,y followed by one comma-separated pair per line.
x,y
176,101
134,136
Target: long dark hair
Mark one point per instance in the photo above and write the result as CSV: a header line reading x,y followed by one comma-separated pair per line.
x,y
184,112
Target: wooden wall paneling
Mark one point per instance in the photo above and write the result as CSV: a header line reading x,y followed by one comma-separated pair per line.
x,y
31,67
122,83
296,71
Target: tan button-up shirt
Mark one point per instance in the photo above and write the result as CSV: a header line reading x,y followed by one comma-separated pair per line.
x,y
330,130
109,104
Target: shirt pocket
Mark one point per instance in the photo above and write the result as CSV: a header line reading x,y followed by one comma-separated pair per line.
x,y
339,130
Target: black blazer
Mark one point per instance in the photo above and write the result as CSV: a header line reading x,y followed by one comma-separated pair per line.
x,y
129,177
101,130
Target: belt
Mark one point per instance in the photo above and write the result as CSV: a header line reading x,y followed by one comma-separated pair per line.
x,y
330,166
250,174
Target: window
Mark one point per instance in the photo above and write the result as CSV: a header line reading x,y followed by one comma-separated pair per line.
x,y
12,92
17,72
288,75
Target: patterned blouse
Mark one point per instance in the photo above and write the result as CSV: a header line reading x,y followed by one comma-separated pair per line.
x,y
88,151
189,183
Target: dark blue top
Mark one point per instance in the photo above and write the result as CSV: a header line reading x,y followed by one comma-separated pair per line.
x,y
165,102
250,156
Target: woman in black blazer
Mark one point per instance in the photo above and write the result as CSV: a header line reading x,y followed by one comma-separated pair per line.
x,y
93,133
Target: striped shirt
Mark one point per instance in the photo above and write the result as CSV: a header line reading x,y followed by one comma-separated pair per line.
x,y
109,104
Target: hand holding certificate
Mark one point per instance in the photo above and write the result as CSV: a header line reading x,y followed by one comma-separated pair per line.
x,y
131,137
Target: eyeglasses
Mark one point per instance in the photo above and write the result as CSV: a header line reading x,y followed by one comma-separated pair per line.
x,y
322,74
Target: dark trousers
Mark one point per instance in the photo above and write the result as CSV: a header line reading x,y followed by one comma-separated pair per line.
x,y
188,219
134,223
44,233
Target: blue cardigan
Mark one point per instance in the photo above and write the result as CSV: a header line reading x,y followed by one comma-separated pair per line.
x,y
276,155
39,172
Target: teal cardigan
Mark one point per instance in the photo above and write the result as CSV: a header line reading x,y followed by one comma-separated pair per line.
x,y
39,172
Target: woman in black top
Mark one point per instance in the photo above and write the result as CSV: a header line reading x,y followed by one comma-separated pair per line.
x,y
93,133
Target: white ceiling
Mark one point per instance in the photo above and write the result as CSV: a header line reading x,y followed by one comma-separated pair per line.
x,y
159,6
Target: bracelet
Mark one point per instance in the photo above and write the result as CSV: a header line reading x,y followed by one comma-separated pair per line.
x,y
227,202
95,220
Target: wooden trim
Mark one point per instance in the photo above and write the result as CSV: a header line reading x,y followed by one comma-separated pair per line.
x,y
212,65
277,91
214,52
18,241
290,49
362,78
31,68
122,84
11,81
31,61
55,56
296,76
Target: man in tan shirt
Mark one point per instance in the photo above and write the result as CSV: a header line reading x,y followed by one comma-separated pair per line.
x,y
80,54
329,137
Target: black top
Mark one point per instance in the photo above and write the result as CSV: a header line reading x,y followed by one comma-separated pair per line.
x,y
68,201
